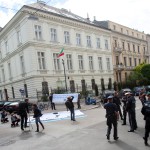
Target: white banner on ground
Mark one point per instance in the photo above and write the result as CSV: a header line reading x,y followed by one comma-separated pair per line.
x,y
57,116
61,98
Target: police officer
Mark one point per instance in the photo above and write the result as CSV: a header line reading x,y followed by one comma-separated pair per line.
x,y
116,100
130,107
112,117
124,100
146,112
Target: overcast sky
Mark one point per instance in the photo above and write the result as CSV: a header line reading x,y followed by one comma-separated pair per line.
x,y
131,13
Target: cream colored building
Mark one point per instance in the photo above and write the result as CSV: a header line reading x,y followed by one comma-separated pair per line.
x,y
129,46
29,46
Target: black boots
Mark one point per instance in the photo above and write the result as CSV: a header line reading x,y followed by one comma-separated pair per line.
x,y
38,127
145,141
42,125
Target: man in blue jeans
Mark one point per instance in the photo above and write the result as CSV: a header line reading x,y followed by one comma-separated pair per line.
x,y
69,104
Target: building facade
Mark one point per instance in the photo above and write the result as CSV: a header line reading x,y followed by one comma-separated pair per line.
x,y
130,48
29,46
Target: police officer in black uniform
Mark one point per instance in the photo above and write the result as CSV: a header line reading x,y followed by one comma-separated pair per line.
x,y
124,100
112,117
146,112
130,107
117,101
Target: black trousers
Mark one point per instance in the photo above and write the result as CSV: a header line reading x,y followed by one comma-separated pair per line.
x,y
124,115
112,120
132,120
24,119
53,106
120,113
147,129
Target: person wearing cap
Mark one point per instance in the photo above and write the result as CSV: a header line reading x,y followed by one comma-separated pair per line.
x,y
131,104
116,100
70,106
124,100
112,117
146,112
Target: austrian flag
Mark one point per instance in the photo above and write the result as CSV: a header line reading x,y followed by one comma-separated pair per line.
x,y
61,53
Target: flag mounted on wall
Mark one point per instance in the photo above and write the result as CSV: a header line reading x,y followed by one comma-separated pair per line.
x,y
61,53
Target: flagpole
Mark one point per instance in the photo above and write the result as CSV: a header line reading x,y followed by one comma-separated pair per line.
x,y
65,75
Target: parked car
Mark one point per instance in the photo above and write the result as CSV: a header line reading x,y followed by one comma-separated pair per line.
x,y
90,100
2,104
147,88
123,91
6,104
12,107
105,95
137,90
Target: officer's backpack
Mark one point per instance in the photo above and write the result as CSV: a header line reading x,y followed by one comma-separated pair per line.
x,y
68,104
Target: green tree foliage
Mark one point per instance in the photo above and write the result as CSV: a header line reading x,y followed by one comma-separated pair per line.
x,y
139,67
140,76
145,70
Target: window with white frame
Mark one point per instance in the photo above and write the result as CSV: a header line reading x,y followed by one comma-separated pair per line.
x,y
114,27
56,61
127,32
106,44
78,39
100,63
135,62
22,64
129,46
91,63
41,60
98,43
0,79
69,62
53,35
38,32
108,63
0,54
67,37
125,61
3,75
19,37
130,61
80,59
89,44
6,47
9,70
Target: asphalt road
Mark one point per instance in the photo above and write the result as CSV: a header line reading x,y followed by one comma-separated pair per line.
x,y
88,133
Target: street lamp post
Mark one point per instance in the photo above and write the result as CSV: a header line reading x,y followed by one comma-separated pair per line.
x,y
65,75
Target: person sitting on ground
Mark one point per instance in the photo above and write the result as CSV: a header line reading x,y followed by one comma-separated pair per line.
x,y
4,119
14,120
